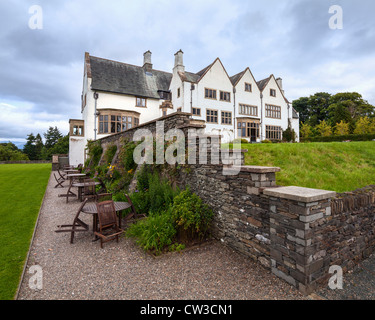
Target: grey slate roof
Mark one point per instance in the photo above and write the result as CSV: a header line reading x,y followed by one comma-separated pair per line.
x,y
118,77
262,83
236,77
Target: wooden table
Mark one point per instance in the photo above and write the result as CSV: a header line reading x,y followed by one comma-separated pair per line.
x,y
70,171
80,186
71,176
90,208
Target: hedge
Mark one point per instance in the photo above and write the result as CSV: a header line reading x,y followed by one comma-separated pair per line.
x,y
351,137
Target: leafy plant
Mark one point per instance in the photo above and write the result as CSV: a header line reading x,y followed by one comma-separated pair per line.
x,y
154,233
192,216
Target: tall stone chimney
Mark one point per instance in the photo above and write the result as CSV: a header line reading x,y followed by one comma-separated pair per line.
x,y
147,65
280,83
178,61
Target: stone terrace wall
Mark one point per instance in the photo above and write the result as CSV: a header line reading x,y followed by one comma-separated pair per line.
x,y
296,232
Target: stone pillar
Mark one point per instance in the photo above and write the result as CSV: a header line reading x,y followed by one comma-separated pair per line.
x,y
296,252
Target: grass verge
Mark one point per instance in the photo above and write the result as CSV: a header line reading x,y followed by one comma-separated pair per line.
x,y
22,187
337,166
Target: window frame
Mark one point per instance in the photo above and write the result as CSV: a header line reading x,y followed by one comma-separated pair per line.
x,y
206,96
272,91
196,114
226,117
248,84
223,95
109,119
274,132
212,115
248,124
242,106
140,106
272,111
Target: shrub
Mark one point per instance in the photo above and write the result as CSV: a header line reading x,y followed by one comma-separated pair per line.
x,y
109,154
153,233
192,217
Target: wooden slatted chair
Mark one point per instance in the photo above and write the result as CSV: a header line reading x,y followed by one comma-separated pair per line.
x,y
77,226
59,182
89,189
62,176
108,225
134,212
69,193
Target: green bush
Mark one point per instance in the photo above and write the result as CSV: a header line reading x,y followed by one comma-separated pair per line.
x,y
153,233
153,194
109,154
192,217
351,137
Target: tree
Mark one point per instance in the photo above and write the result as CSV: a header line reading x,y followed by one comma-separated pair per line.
x,y
324,129
61,147
29,148
342,128
10,152
38,146
52,136
318,107
301,105
362,126
354,104
305,130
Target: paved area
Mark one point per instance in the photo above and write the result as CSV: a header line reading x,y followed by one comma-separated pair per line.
x,y
358,284
83,270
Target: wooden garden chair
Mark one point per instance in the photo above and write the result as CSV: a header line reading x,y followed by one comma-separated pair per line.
x,y
59,182
89,189
62,176
108,224
133,214
69,193
77,226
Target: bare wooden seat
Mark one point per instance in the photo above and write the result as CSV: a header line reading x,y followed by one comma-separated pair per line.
x,y
108,226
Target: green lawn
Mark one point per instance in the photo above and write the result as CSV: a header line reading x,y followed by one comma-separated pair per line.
x,y
22,187
337,166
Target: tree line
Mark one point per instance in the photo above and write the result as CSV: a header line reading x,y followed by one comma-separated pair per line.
x,y
35,149
323,114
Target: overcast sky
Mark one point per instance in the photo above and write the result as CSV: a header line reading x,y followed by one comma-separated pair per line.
x,y
41,69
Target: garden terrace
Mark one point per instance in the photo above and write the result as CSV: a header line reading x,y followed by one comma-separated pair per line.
x,y
294,231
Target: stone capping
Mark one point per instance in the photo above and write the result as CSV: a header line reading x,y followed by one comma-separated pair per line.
x,y
256,169
300,194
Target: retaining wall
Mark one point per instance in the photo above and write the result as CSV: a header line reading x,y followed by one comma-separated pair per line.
x,y
298,233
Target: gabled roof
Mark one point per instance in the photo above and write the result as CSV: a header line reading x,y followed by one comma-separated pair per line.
x,y
234,79
196,77
119,77
263,83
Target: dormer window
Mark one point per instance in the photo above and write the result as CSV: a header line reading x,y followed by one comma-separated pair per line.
x,y
272,92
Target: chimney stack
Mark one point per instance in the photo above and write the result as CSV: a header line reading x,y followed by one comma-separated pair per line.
x,y
147,65
178,61
280,83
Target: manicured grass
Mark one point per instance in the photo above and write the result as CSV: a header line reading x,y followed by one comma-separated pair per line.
x,y
337,166
22,187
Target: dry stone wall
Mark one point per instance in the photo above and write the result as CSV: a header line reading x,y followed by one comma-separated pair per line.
x,y
298,233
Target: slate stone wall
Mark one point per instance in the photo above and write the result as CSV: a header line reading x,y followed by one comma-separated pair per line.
x,y
296,235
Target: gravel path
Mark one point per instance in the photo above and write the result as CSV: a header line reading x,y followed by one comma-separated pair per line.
x,y
122,270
